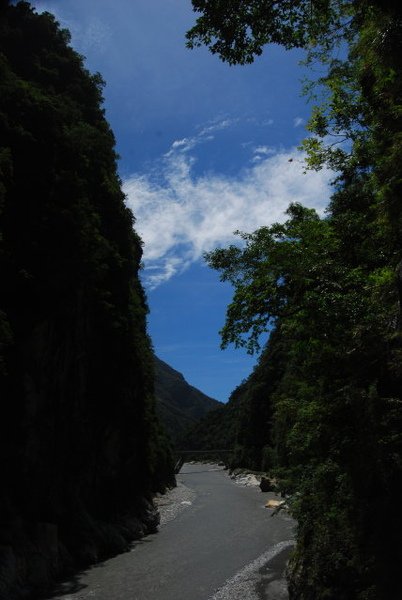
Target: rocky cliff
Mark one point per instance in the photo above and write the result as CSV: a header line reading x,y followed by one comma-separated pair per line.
x,y
81,448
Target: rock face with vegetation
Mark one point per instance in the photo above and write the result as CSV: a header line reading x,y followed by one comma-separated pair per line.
x,y
244,424
179,404
81,448
329,290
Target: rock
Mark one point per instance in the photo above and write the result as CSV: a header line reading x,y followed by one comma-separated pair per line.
x,y
274,503
247,479
132,528
46,536
266,485
8,570
150,517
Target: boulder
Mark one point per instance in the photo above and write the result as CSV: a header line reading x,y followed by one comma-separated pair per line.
x,y
274,503
266,485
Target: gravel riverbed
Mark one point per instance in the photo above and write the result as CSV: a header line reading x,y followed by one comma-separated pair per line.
x,y
262,579
171,504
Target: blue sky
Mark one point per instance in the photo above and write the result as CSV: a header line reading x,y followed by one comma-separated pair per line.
x,y
205,149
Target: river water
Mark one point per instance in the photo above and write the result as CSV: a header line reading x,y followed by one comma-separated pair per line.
x,y
217,541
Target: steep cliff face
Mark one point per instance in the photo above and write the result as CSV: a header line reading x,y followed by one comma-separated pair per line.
x,y
179,404
81,448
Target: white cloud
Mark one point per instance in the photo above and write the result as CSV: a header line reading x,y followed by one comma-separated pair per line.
x,y
217,125
298,121
204,135
266,150
92,35
262,152
181,216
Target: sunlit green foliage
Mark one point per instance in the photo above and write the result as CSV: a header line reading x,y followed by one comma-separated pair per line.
x,y
330,291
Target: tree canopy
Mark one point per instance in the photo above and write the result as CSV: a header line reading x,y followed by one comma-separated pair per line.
x,y
327,293
237,31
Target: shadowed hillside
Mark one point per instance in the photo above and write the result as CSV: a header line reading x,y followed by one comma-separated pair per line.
x,y
245,422
179,404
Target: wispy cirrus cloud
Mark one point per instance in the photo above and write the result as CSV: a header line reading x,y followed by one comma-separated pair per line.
x,y
92,36
180,215
261,152
205,134
298,122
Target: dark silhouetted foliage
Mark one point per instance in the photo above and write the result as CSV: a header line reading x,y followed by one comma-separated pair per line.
x,y
80,444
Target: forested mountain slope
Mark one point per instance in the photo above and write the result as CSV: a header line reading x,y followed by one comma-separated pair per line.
x,y
330,291
179,404
245,423
81,448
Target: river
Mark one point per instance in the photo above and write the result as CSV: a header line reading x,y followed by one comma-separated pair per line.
x,y
219,542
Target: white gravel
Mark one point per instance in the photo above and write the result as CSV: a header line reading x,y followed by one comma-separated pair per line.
x,y
243,586
171,504
247,479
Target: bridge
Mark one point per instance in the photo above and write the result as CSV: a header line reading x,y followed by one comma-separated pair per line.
x,y
181,456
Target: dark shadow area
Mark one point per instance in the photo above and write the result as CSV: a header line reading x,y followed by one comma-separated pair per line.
x,y
72,584
274,571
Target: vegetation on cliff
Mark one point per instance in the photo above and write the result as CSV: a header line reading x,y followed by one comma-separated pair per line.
x,y
179,405
244,424
329,290
81,448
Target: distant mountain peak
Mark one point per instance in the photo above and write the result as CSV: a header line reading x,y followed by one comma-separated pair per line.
x,y
179,404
